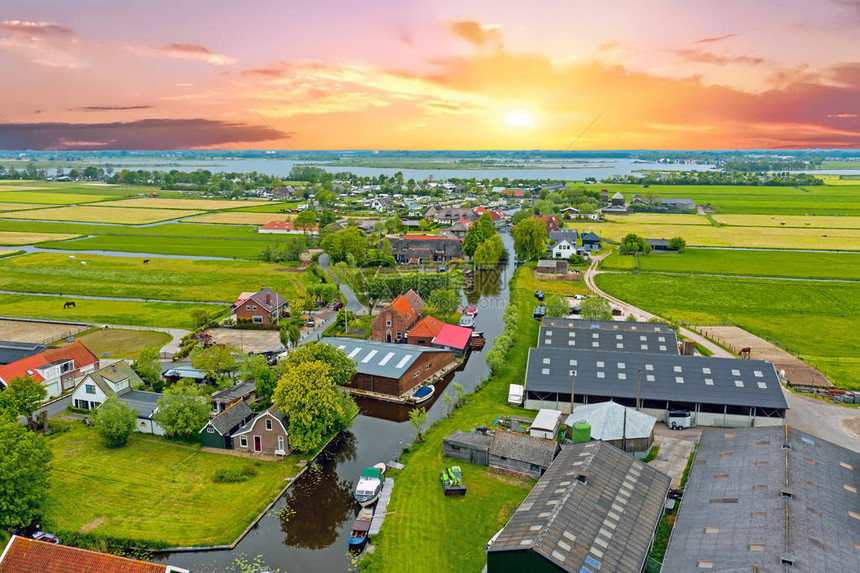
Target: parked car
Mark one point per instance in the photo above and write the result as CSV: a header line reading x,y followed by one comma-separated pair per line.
x,y
539,295
310,322
580,297
337,305
46,537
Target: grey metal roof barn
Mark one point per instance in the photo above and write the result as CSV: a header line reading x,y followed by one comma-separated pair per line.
x,y
379,358
604,339
14,351
595,509
581,323
771,497
665,377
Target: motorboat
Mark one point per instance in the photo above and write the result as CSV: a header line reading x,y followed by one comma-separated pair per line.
x,y
422,394
467,321
369,485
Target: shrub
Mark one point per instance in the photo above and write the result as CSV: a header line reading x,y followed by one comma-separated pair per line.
x,y
234,475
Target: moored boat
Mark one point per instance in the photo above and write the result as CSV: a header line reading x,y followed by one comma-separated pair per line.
x,y
358,535
422,394
369,485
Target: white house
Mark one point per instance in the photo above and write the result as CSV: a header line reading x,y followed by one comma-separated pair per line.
x,y
563,250
119,380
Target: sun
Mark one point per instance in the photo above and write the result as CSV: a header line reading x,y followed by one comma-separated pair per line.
x,y
519,119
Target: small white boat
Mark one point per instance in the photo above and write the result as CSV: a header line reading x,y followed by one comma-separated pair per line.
x,y
369,485
422,394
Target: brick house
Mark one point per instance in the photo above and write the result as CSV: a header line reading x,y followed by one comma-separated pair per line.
x,y
417,249
57,369
551,222
264,307
424,331
395,320
265,433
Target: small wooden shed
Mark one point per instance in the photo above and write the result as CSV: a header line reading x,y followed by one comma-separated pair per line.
x,y
472,448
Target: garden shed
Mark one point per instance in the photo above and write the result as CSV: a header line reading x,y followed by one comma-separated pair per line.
x,y
472,448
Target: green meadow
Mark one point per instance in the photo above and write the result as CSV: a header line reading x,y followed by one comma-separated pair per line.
x,y
187,246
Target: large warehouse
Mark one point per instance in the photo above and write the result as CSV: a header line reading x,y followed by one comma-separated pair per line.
x,y
768,499
623,325
716,391
388,368
605,339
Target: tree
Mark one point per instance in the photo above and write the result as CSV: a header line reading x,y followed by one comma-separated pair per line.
x,y
345,242
216,361
448,401
327,217
24,458
557,305
677,244
183,410
459,392
595,308
520,215
633,243
418,419
22,397
305,218
199,317
473,238
147,366
284,334
114,422
254,367
489,253
530,238
307,393
342,366
443,302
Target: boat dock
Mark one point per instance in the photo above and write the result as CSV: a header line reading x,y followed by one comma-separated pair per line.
x,y
381,506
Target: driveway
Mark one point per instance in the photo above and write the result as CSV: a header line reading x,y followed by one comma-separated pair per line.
x,y
352,303
824,419
675,449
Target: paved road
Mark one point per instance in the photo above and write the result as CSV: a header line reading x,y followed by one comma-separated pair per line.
x,y
352,303
643,315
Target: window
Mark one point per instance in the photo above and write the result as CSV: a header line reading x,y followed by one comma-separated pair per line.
x,y
91,388
281,443
387,323
258,319
254,307
210,430
269,425
247,307
243,441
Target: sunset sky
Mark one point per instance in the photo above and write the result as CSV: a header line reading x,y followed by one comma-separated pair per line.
x,y
429,74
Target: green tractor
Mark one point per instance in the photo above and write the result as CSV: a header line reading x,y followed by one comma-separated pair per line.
x,y
452,481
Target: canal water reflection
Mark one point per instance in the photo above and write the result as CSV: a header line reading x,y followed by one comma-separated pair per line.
x,y
307,529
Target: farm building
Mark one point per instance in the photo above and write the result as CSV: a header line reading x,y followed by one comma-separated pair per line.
x,y
658,245
23,555
716,391
391,369
218,432
263,307
57,369
546,424
472,448
223,399
676,204
552,267
590,241
584,324
14,351
417,249
617,199
600,339
454,338
177,373
395,320
623,427
424,331
595,510
521,455
768,499
288,228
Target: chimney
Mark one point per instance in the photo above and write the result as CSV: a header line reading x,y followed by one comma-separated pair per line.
x,y
268,298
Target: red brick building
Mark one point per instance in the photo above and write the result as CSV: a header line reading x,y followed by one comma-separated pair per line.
x,y
424,331
264,307
551,222
266,433
394,321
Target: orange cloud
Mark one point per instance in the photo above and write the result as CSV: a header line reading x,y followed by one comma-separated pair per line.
x,y
703,57
476,33
186,52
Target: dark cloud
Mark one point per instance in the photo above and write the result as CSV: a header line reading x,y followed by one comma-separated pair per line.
x,y
111,107
703,57
144,134
713,39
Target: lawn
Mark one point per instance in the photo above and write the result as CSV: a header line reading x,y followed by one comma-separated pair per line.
x,y
30,238
163,229
16,195
196,246
826,222
617,262
749,263
157,314
242,218
817,321
162,279
417,534
122,215
119,343
191,203
132,493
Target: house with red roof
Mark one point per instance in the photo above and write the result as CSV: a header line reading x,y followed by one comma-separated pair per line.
x,y
263,307
57,369
395,320
288,228
23,555
452,337
551,222
424,331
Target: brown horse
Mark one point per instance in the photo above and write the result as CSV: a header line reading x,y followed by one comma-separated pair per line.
x,y
69,304
146,261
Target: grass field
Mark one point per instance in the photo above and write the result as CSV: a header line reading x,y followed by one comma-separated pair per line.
x,y
242,218
124,492
164,279
271,207
165,229
789,221
157,314
19,206
821,200
197,246
123,215
817,321
30,238
120,343
728,236
199,204
845,266
45,198
659,219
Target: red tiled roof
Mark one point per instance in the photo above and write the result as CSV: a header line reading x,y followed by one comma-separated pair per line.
x,y
426,327
402,306
243,297
29,556
288,226
19,369
75,351
453,337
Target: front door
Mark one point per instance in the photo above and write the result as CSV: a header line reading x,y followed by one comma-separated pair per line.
x,y
258,444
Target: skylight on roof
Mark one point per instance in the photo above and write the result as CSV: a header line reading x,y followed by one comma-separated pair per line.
x,y
619,346
544,370
404,360
571,334
595,344
354,352
709,381
546,360
661,338
649,377
679,379
706,370
762,385
736,372
678,369
369,356
758,374
548,333
644,346
619,337
595,335
621,366
573,362
622,376
385,360
649,367
739,383
571,343
643,338
601,375
547,340
600,364
663,348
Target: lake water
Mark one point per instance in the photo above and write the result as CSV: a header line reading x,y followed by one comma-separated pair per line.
x,y
312,534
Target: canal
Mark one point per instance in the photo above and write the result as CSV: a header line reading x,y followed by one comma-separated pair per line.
x,y
307,529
